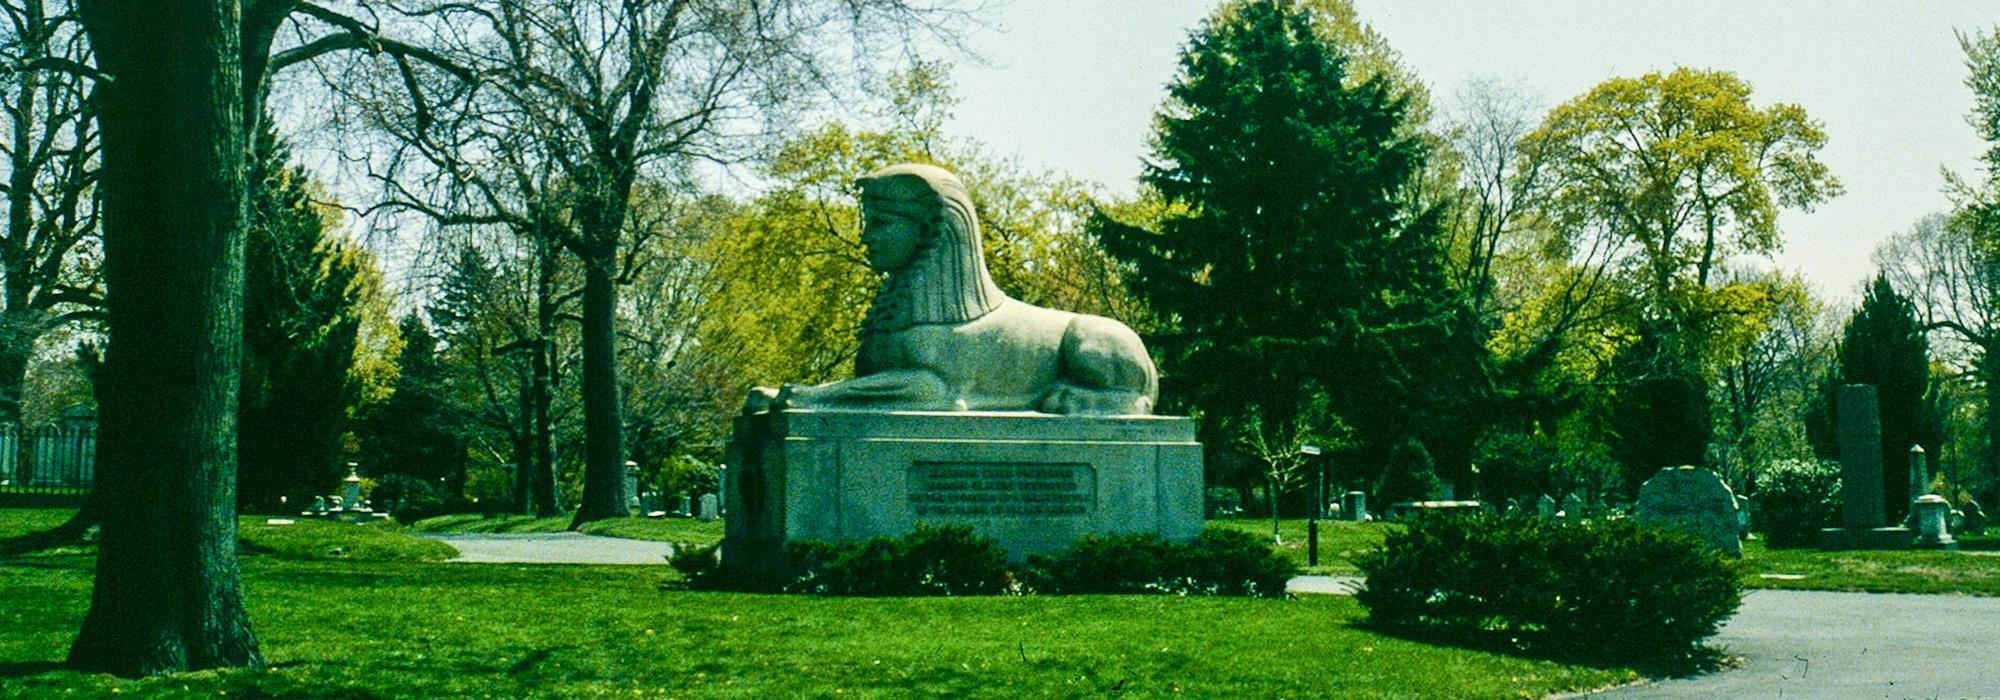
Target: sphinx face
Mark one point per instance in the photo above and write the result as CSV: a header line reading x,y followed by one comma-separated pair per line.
x,y
891,239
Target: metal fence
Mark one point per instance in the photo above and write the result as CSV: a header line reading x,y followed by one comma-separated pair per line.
x,y
48,459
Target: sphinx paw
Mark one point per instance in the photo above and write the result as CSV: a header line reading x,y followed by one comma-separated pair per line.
x,y
761,399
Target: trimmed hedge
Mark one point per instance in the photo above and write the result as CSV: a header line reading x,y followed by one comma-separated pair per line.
x,y
951,560
1220,562
930,561
1598,590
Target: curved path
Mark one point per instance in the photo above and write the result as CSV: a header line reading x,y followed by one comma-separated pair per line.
x,y
553,548
1794,644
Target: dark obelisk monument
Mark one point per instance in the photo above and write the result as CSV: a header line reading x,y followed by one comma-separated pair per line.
x,y
1862,520
1860,459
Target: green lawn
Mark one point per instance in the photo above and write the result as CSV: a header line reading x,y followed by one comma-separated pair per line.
x,y
1972,571
1340,542
404,629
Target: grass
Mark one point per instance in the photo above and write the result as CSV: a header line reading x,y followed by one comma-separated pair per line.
x,y
1971,571
1340,542
305,538
406,629
655,529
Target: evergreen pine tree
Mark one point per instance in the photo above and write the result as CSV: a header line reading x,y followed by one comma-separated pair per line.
x,y
1298,267
301,319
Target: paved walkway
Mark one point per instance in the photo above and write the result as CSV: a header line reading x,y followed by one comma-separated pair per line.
x,y
553,548
1794,644
1817,644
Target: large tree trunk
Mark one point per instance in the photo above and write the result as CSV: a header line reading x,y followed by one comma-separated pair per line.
x,y
603,422
168,594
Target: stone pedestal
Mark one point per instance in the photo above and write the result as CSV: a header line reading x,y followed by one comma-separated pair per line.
x,y
1032,482
1930,511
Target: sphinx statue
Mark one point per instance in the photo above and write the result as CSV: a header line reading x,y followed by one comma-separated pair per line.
x,y
940,336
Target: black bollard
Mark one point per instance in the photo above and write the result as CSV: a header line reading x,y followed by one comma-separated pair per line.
x,y
1312,542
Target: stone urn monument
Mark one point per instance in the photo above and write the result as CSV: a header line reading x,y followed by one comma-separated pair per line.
x,y
1031,425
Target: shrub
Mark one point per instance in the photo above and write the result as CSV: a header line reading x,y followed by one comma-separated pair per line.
x,y
1409,476
1595,590
1220,562
1795,498
695,560
941,560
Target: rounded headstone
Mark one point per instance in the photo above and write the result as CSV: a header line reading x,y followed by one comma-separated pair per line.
x,y
1693,500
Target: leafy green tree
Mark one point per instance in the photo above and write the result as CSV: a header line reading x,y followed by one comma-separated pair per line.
x,y
1293,265
1681,169
503,357
1770,378
1659,407
307,294
1883,345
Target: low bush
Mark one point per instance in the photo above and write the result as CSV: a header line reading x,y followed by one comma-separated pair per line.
x,y
1795,498
932,560
1220,562
1595,590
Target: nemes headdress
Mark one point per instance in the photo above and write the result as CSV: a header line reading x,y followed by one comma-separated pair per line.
x,y
948,281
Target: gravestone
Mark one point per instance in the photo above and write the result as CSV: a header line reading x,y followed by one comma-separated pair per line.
x,y
1693,500
1545,506
1920,483
1974,519
1033,426
1355,505
709,503
1860,459
632,501
1743,517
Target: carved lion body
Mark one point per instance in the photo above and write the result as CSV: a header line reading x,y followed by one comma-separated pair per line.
x,y
941,336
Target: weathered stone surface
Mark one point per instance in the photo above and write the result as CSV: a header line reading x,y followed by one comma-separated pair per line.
x,y
1860,458
1033,482
1930,512
1694,500
940,336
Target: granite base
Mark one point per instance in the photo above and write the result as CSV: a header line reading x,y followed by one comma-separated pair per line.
x,y
1033,482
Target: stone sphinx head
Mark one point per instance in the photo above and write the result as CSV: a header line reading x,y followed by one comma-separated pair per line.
x,y
920,228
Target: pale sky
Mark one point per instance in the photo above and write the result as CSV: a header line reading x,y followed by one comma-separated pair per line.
x,y
1072,86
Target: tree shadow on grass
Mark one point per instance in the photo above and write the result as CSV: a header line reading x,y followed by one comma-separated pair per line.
x,y
1706,658
24,669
